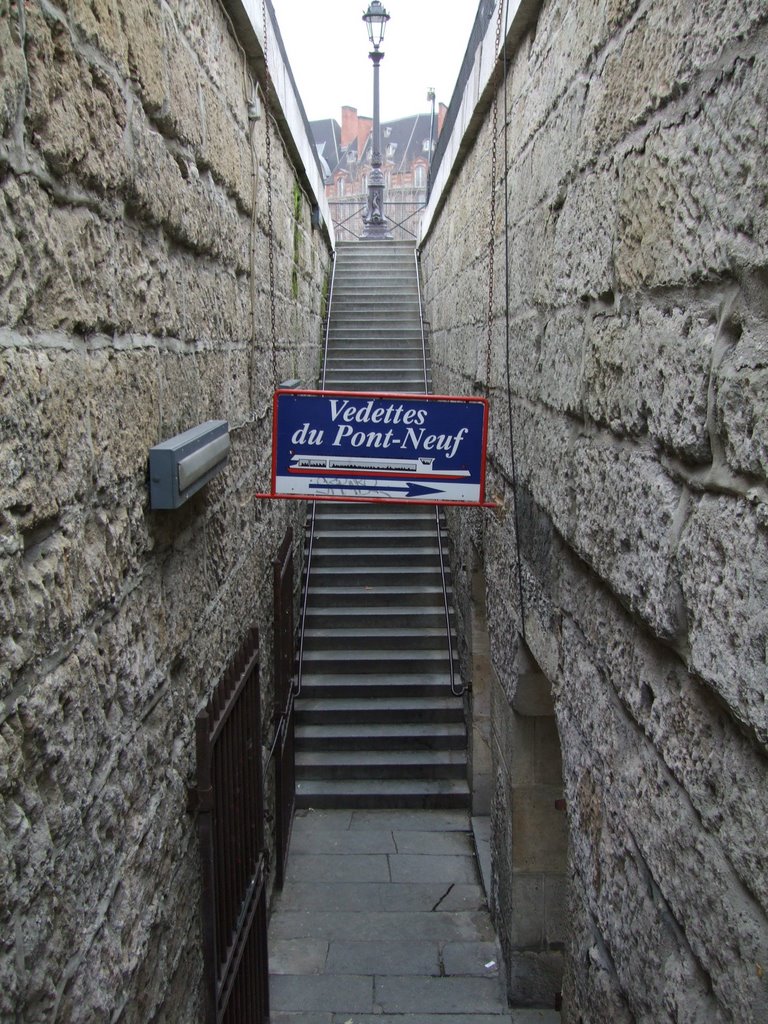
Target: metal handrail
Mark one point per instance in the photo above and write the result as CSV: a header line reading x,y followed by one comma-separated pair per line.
x,y
312,514
361,205
457,691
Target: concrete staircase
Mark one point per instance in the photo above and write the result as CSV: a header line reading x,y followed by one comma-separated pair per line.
x,y
376,722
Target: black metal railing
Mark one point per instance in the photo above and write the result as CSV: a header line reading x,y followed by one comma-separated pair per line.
x,y
402,215
230,813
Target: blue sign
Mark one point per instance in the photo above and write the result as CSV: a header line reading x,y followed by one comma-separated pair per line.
x,y
353,446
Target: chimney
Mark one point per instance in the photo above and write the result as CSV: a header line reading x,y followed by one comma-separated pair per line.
x,y
364,129
349,127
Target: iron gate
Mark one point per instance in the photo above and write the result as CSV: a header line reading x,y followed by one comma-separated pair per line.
x,y
285,773
230,806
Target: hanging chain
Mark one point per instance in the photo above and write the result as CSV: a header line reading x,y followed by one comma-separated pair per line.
x,y
491,243
270,214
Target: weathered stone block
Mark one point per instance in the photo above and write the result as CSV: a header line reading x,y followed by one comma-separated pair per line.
x,y
226,149
142,22
76,113
62,263
625,526
584,237
686,214
742,405
559,362
649,372
631,827
45,448
124,411
12,73
182,113
719,768
723,561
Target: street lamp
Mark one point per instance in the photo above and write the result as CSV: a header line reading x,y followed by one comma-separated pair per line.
x,y
374,221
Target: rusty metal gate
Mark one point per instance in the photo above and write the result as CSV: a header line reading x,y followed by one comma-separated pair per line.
x,y
230,815
285,773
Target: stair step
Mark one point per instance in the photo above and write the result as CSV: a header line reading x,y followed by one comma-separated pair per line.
x,y
380,597
382,736
345,637
376,723
428,684
382,793
381,764
375,710
382,580
376,661
355,617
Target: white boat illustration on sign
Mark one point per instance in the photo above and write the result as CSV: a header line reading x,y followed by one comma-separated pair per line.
x,y
305,462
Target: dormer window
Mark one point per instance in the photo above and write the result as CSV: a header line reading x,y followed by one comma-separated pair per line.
x,y
426,146
391,149
387,131
351,156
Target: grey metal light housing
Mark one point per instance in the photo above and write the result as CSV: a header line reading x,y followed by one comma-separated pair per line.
x,y
180,466
376,19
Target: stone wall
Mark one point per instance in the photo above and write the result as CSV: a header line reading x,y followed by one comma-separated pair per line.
x,y
631,338
135,302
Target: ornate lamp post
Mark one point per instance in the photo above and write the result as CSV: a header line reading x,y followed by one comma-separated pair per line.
x,y
374,221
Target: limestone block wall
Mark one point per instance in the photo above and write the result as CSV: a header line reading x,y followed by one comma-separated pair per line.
x,y
135,302
629,342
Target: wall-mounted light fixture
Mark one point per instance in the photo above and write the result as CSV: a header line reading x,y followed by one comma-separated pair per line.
x,y
180,466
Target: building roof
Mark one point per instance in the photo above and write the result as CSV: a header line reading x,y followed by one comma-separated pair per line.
x,y
402,142
327,138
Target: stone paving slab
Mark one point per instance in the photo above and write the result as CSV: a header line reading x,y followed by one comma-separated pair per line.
x,y
478,959
297,956
332,993
354,867
337,820
382,920
399,957
438,995
364,897
461,926
417,821
458,843
331,841
421,1018
505,1017
312,1018
407,867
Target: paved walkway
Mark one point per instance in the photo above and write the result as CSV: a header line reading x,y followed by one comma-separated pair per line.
x,y
383,921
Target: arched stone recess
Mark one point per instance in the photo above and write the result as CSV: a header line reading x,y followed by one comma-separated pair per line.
x,y
529,833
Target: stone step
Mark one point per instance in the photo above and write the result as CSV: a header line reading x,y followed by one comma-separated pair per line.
x,y
382,793
415,638
381,764
319,685
369,557
376,661
326,596
374,710
378,544
351,577
355,617
382,736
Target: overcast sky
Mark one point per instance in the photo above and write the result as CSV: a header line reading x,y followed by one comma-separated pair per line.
x,y
327,46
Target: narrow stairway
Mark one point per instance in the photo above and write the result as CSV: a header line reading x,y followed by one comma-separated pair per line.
x,y
377,723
